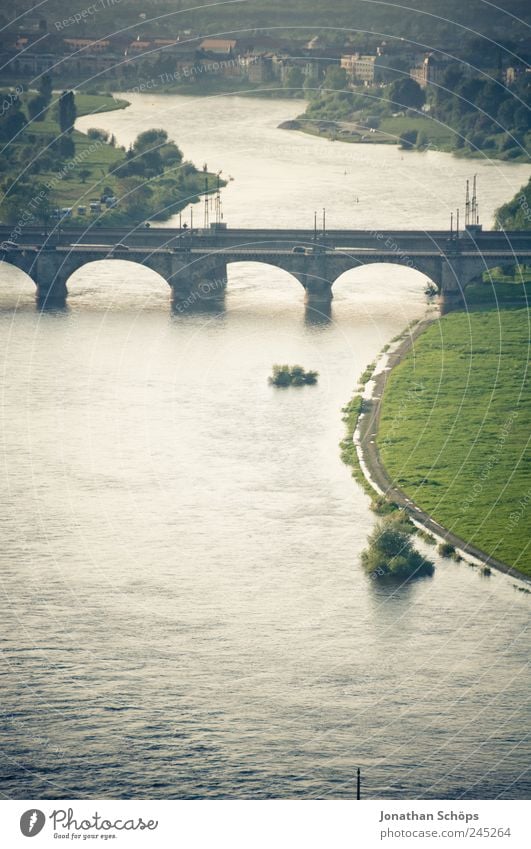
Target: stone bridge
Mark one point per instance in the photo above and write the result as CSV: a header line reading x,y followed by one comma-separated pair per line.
x,y
196,267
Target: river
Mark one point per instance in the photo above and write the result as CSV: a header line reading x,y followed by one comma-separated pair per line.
x,y
184,611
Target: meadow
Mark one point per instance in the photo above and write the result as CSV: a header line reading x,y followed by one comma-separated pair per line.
x,y
455,426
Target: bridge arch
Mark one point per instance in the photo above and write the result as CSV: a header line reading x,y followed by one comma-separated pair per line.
x,y
17,286
428,267
383,282
400,273
241,274
109,279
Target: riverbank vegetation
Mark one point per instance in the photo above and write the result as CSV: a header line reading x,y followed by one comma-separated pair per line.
x,y
45,157
464,114
498,286
349,455
457,449
391,555
516,213
292,376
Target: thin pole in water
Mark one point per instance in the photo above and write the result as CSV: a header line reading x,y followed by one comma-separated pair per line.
x,y
358,789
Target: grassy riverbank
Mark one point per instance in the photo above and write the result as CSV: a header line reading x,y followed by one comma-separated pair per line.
x,y
151,180
426,134
454,425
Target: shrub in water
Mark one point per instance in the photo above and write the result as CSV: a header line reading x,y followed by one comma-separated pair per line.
x,y
292,376
391,554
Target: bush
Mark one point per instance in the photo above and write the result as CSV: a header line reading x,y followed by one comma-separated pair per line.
x,y
382,507
513,153
96,133
292,376
391,555
408,139
425,537
476,141
37,107
445,549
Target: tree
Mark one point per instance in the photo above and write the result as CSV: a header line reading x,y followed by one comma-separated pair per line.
x,y
46,203
467,93
390,553
66,147
311,84
171,154
335,79
150,140
83,174
522,119
12,122
134,198
294,80
45,87
490,97
406,94
506,112
37,107
408,139
67,111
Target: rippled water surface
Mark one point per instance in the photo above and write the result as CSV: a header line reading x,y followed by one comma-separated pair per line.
x,y
184,612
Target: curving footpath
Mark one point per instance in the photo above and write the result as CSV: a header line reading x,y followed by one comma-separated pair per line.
x,y
376,474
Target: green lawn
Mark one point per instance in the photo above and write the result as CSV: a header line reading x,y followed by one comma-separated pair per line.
x,y
456,418
89,104
94,158
438,135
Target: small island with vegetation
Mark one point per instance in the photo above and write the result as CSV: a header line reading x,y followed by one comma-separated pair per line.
x,y
292,376
390,554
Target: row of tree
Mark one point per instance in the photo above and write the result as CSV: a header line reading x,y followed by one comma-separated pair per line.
x,y
13,118
482,111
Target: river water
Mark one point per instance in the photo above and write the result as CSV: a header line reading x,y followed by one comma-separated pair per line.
x,y
184,611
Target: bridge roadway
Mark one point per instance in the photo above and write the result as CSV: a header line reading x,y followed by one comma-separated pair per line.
x,y
272,237
195,264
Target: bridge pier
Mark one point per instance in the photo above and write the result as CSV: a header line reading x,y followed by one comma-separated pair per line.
x,y
452,284
50,280
317,293
317,281
197,284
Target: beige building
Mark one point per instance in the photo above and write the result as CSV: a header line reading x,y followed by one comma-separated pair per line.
x,y
362,69
430,71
